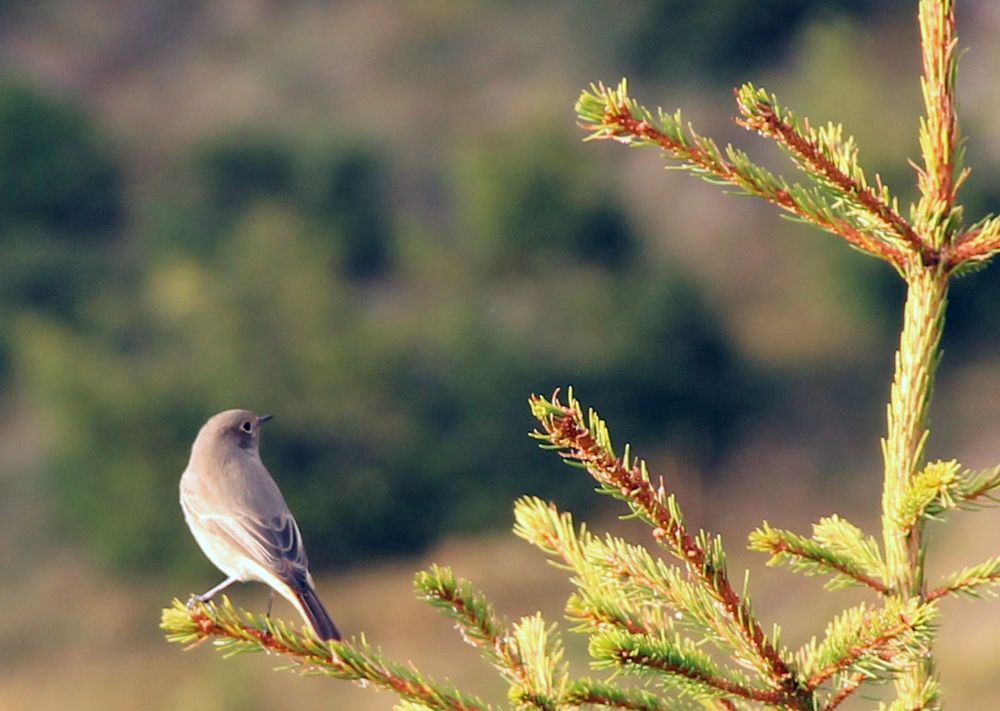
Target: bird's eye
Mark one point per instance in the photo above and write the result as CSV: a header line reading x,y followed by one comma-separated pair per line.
x,y
247,426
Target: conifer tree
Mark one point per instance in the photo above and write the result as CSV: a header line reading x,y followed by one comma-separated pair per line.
x,y
670,613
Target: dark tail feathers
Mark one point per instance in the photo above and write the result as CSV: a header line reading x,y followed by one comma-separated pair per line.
x,y
318,617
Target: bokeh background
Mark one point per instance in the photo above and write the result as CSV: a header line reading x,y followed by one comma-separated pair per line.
x,y
377,221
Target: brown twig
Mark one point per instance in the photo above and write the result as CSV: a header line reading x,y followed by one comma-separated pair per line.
x,y
970,246
344,660
877,585
820,677
626,125
765,120
849,687
564,430
775,698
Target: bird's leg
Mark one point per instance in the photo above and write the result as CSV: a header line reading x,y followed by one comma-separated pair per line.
x,y
211,593
270,602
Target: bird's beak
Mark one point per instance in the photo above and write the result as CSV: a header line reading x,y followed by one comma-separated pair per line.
x,y
263,418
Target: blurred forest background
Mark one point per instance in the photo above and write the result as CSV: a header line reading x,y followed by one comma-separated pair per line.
x,y
377,221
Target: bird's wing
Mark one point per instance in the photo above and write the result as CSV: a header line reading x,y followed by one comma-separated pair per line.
x,y
273,542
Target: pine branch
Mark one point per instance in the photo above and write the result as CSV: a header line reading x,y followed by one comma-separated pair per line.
x,y
608,591
927,494
652,583
612,114
847,687
827,157
235,631
594,606
588,692
973,581
844,539
974,490
941,175
942,486
837,548
527,656
545,673
585,441
595,613
471,610
600,693
920,694
623,585
676,664
542,525
618,583
903,448
876,643
975,248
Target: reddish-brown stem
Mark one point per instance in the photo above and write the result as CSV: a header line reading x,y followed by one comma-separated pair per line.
x,y
596,619
775,697
938,593
627,125
849,687
949,589
876,585
856,653
766,122
594,697
209,628
967,247
406,688
488,639
578,443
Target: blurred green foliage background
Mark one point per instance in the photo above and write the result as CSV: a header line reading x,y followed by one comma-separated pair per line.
x,y
377,221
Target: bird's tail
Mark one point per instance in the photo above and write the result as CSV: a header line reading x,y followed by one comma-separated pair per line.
x,y
317,615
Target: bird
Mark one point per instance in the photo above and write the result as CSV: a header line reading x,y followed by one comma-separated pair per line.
x,y
240,520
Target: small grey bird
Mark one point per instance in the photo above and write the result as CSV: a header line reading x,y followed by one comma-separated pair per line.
x,y
241,520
